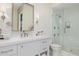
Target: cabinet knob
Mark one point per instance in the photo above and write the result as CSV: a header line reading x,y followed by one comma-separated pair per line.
x,y
44,48
44,42
22,46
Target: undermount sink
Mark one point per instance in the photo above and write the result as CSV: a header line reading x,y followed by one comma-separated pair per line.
x,y
7,38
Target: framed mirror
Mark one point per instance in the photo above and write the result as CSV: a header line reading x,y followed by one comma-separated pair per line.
x,y
22,17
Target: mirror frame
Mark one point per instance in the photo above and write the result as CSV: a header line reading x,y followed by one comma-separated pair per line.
x,y
17,17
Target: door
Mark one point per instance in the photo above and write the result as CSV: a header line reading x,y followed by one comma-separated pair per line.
x,y
29,49
58,26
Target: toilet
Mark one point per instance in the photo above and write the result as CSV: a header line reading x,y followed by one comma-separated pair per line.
x,y
56,49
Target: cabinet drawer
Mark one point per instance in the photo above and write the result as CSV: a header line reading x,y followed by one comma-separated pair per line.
x,y
44,42
8,51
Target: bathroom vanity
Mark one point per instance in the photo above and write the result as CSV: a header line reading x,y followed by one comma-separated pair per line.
x,y
33,26
25,47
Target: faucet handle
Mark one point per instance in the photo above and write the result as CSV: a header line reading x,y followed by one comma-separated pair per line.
x,y
39,33
24,33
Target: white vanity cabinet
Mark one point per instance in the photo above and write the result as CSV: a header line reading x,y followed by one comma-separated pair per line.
x,y
8,50
34,48
28,49
37,47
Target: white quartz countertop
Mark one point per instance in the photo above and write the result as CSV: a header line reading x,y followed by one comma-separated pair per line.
x,y
17,40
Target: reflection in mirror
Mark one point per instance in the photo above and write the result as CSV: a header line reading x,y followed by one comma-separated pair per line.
x,y
23,17
20,20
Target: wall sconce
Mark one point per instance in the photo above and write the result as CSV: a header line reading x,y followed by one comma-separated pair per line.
x,y
3,17
37,18
2,12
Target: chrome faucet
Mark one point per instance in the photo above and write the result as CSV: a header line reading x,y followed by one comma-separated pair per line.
x,y
24,34
38,33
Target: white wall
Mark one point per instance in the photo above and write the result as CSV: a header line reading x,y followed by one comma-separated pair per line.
x,y
43,13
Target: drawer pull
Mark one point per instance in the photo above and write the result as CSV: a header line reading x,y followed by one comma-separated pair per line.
x,y
44,42
44,48
6,51
22,46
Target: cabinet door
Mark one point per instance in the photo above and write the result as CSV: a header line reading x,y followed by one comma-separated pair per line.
x,y
33,48
29,49
44,44
8,51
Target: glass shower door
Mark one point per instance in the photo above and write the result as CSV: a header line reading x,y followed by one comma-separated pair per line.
x,y
58,38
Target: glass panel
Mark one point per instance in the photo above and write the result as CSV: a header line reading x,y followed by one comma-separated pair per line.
x,y
67,25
